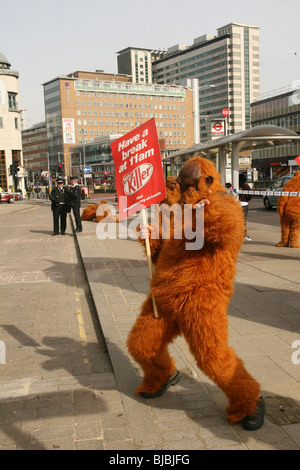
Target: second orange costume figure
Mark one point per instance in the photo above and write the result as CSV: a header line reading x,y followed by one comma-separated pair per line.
x,y
192,289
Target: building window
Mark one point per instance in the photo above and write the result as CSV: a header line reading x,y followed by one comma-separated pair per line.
x,y
1,122
16,123
12,101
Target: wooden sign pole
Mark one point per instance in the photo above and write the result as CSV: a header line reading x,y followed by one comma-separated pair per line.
x,y
147,244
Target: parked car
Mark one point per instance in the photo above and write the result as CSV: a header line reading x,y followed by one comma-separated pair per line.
x,y
277,185
8,197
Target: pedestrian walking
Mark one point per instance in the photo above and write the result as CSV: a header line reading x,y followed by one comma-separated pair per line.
x,y
60,198
244,199
75,196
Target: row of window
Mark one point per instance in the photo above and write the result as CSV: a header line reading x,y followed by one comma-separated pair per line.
x,y
128,96
131,105
168,142
84,122
131,114
16,121
286,121
96,132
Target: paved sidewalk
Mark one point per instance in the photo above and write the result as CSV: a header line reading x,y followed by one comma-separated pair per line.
x,y
61,390
57,387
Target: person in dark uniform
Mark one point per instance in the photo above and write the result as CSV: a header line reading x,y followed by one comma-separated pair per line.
x,y
75,195
60,198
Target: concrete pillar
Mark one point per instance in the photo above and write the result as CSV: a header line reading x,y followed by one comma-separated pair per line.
x,y
172,168
236,146
221,165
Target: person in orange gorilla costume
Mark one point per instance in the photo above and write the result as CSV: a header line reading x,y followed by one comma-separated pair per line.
x,y
288,208
172,191
89,213
192,289
98,212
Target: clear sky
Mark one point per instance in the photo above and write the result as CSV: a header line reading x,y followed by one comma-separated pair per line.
x,y
43,39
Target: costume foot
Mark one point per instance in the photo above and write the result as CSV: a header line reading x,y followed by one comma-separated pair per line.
x,y
172,380
254,421
280,244
295,246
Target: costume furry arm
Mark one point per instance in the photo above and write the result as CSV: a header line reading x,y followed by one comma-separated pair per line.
x,y
282,200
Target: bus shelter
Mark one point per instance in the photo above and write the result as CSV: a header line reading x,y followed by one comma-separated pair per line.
x,y
255,138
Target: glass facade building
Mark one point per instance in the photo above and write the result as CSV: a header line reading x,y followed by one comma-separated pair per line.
x,y
227,67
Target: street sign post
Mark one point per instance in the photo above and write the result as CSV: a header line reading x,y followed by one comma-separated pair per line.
x,y
217,129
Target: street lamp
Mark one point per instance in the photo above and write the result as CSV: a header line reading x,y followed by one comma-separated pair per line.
x,y
196,107
84,177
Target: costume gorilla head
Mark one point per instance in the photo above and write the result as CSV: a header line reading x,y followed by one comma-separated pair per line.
x,y
198,179
172,191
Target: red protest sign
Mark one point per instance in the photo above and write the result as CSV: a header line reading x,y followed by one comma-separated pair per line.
x,y
138,169
297,159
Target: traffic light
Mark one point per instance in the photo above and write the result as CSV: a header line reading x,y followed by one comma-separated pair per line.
x,y
11,171
60,169
16,168
93,176
53,173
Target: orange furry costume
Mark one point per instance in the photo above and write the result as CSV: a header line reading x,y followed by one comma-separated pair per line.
x,y
288,208
89,213
172,191
98,212
192,289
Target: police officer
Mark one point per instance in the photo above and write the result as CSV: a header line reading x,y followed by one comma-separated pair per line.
x,y
75,195
60,198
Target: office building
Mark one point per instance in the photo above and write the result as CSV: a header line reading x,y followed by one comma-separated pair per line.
x,y
10,128
35,152
85,105
278,108
227,67
137,62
